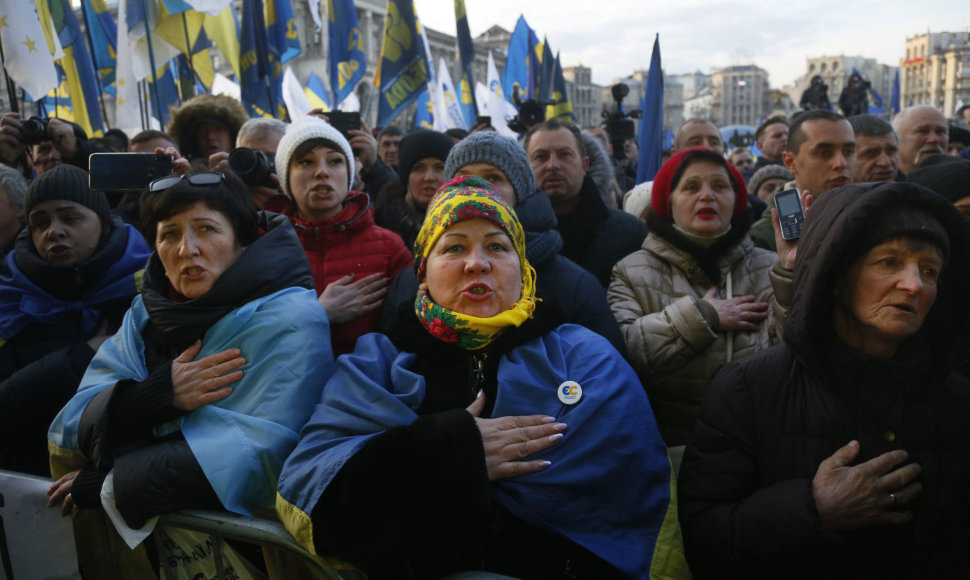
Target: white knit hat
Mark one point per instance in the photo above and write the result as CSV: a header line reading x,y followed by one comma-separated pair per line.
x,y
301,131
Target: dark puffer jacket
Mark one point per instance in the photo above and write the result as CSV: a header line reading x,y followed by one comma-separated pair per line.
x,y
57,310
746,492
348,243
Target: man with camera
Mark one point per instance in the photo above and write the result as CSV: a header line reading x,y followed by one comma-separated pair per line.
x,y
254,158
47,143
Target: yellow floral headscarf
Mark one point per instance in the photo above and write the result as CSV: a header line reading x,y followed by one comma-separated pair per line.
x,y
461,199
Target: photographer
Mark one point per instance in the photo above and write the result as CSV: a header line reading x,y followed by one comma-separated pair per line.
x,y
854,99
816,96
46,142
253,159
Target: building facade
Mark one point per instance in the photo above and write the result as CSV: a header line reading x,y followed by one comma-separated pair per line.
x,y
585,97
936,70
741,95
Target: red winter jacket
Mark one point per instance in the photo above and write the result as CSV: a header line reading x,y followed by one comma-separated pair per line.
x,y
348,243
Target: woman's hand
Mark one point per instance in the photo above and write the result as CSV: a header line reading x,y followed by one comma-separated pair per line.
x,y
508,439
346,300
203,381
864,495
738,313
60,493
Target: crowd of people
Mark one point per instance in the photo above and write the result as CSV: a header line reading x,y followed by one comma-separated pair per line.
x,y
429,354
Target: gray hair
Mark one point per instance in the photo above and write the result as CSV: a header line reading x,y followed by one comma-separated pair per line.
x,y
260,128
14,184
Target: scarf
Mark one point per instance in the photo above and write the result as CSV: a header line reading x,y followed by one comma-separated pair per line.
x,y
462,199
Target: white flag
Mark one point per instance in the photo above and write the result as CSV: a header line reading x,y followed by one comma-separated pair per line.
x,y
294,95
499,109
314,9
213,7
28,59
350,104
127,109
446,100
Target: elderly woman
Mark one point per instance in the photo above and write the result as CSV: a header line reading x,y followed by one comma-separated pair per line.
x,y
63,291
401,205
352,258
444,445
696,295
201,394
844,453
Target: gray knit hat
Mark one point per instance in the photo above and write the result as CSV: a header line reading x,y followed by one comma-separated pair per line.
x,y
502,152
301,131
67,182
764,174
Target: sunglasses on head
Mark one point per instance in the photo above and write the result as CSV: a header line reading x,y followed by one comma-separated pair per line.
x,y
204,178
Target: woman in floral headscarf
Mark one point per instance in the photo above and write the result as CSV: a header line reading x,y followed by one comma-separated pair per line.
x,y
444,445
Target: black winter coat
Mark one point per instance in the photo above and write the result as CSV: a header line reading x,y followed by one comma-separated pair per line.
x,y
746,482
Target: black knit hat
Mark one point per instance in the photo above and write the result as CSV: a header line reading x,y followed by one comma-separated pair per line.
x,y
419,144
898,221
946,175
70,183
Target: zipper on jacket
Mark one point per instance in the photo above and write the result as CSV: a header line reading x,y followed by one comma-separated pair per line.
x,y
476,375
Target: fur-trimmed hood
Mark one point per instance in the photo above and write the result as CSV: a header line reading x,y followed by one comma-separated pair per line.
x,y
186,119
600,169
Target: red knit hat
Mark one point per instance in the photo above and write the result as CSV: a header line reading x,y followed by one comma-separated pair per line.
x,y
663,182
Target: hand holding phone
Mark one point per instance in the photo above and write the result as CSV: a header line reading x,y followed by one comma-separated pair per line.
x,y
790,213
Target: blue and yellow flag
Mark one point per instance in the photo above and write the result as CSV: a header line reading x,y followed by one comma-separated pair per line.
x,y
103,36
424,116
515,77
317,94
650,140
466,52
82,80
894,97
256,76
403,64
547,77
284,39
559,107
168,94
345,56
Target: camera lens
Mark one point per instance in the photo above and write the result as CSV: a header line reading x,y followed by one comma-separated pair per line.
x,y
34,130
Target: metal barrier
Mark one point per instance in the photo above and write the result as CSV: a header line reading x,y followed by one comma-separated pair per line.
x,y
285,559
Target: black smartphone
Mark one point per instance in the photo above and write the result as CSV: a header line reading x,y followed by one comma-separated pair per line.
x,y
790,213
126,171
344,122
483,120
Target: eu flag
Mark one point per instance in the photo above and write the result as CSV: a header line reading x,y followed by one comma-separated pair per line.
x,y
515,77
82,80
650,139
403,63
346,58
466,51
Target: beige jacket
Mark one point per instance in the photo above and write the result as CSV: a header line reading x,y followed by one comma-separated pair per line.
x,y
653,294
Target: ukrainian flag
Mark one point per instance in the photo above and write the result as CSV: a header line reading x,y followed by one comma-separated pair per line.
x,y
81,78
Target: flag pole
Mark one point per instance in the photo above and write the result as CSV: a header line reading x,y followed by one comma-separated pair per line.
x,y
151,61
188,58
94,58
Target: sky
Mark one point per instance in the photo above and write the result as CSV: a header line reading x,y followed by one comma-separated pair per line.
x,y
615,37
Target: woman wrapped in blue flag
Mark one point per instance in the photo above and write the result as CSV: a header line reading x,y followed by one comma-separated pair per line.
x,y
480,434
200,396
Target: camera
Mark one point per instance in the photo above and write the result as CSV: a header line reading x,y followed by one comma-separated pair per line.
x,y
620,125
35,130
531,113
253,166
